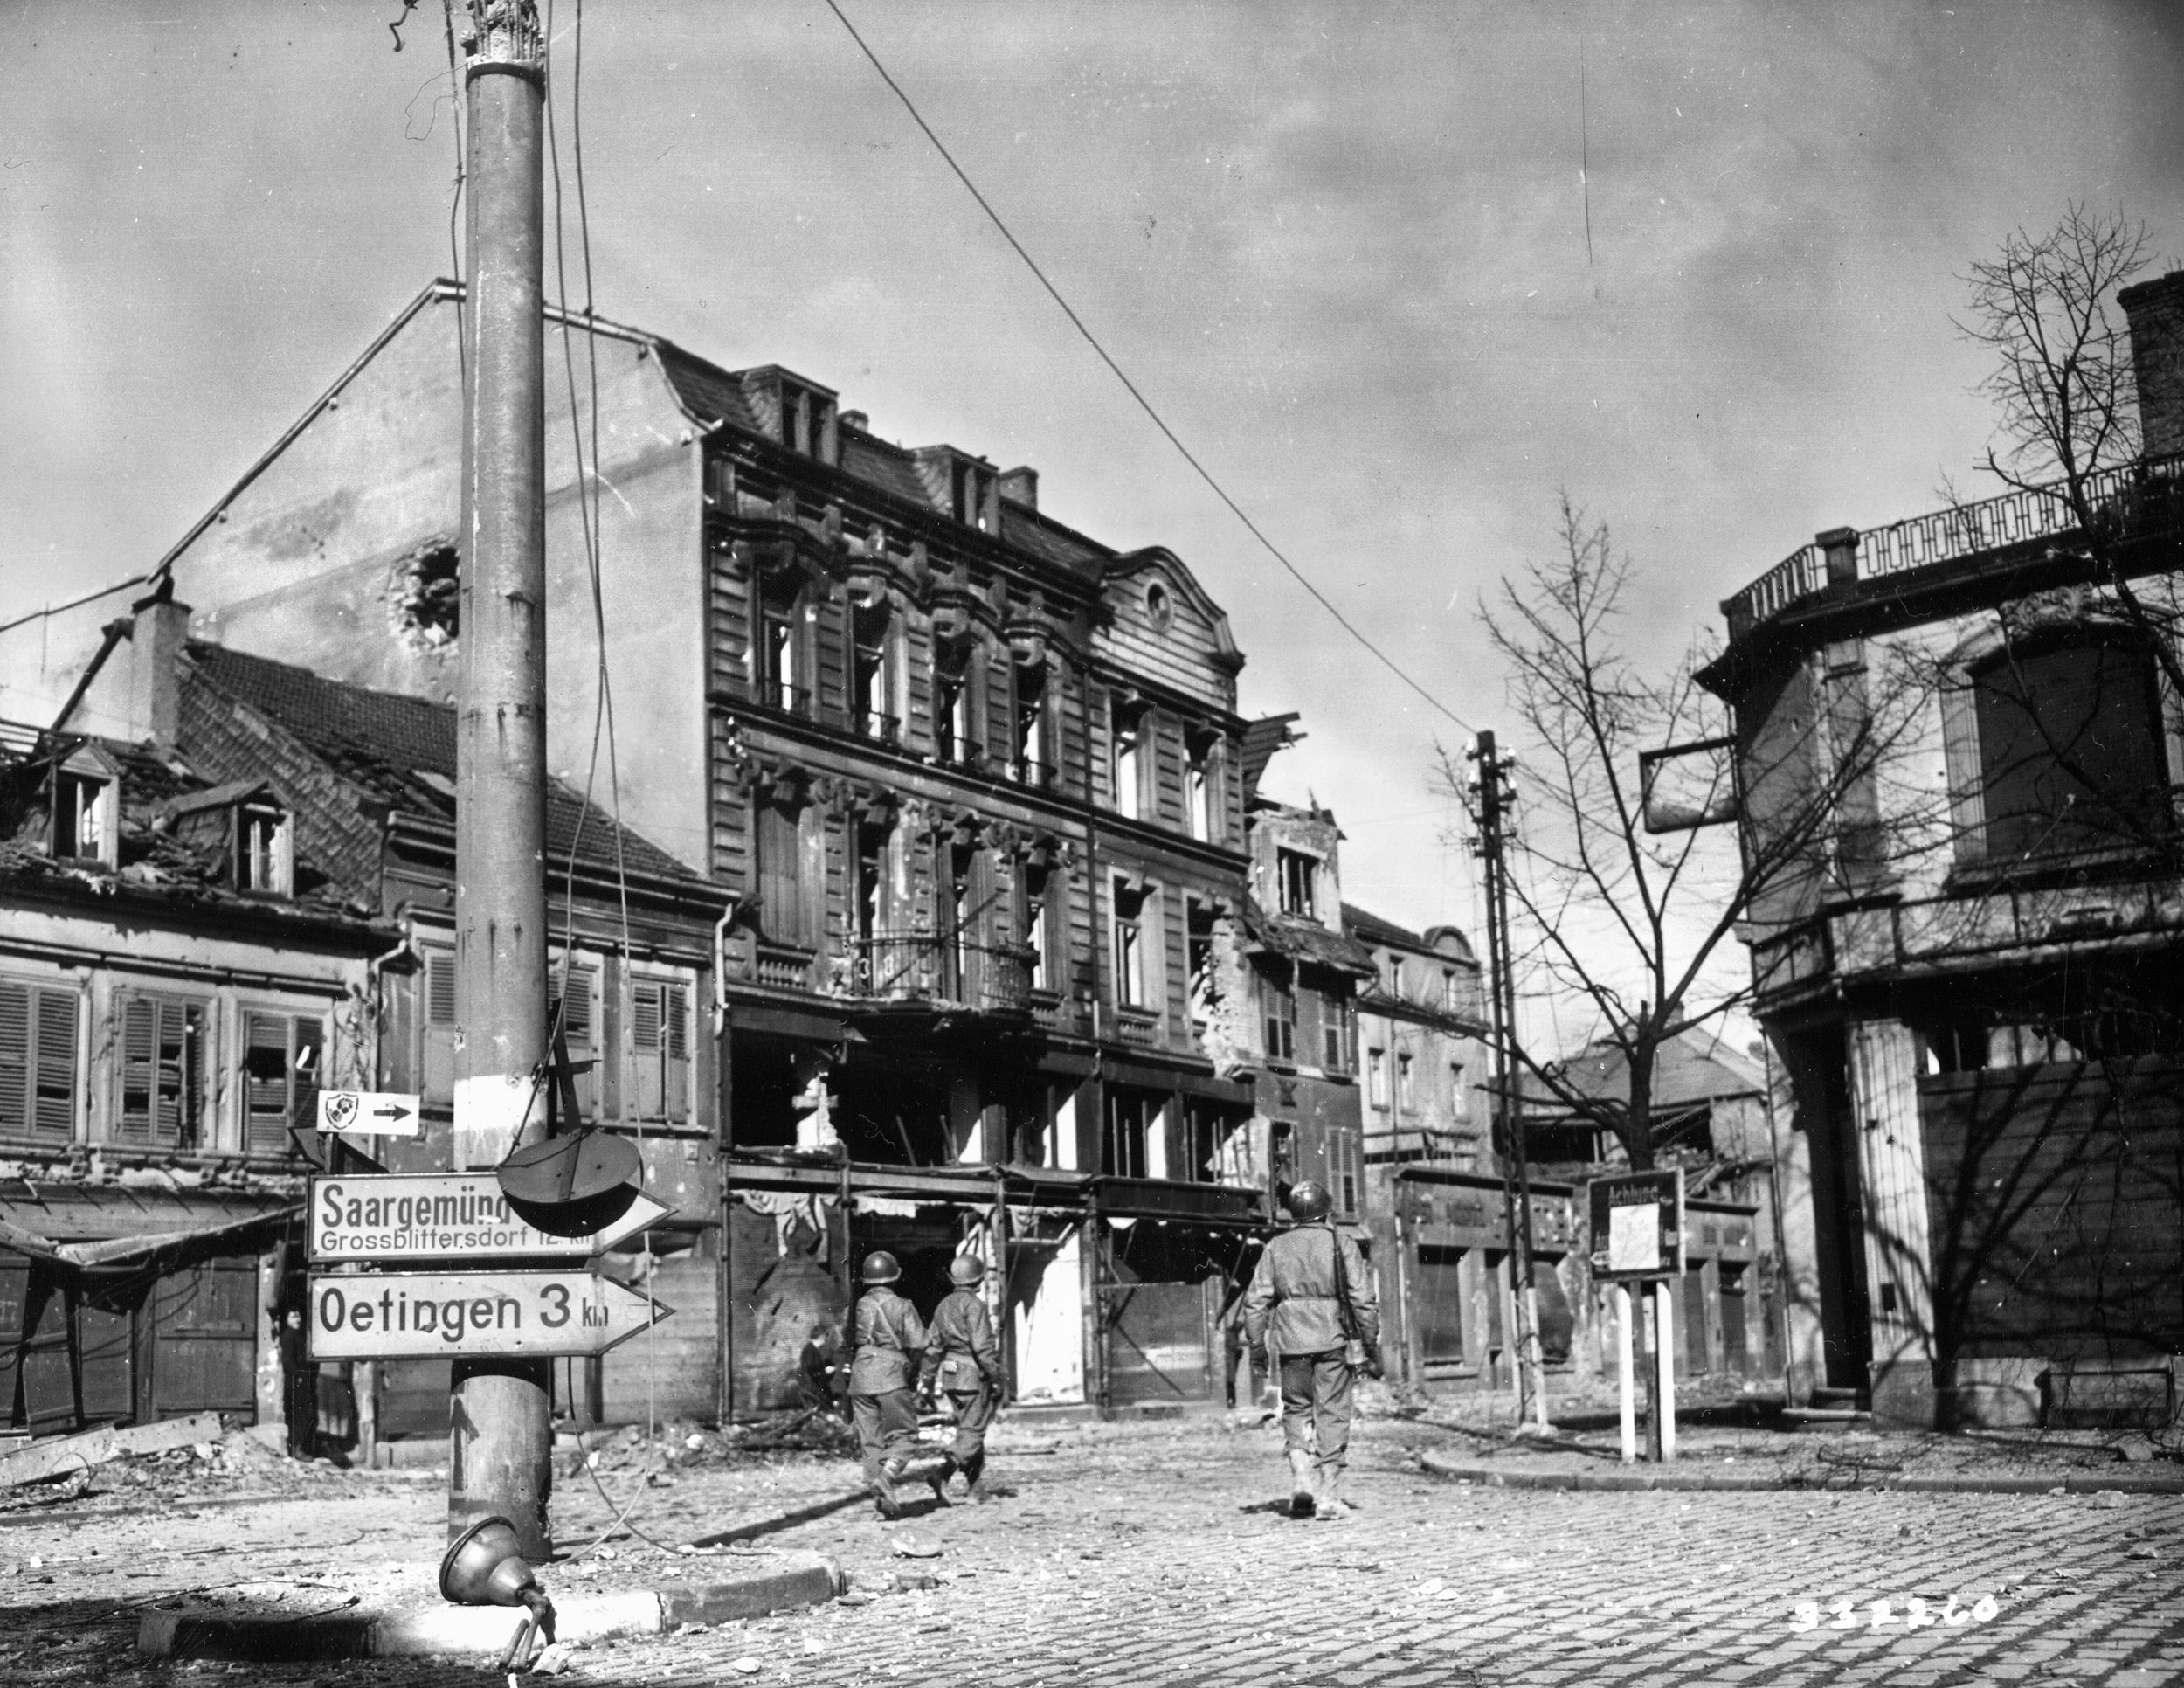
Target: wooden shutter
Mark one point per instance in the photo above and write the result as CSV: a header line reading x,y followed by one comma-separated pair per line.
x,y
140,1060
646,1009
1967,784
53,1112
579,1029
15,1290
437,1076
266,1092
16,1062
677,1051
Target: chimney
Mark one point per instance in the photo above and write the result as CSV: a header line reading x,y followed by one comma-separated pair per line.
x,y
1020,487
154,685
2155,310
858,420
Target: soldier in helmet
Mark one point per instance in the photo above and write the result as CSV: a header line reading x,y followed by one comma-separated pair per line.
x,y
1311,1307
963,1361
886,1337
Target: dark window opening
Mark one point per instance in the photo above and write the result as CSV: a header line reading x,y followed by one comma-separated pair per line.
x,y
1131,971
872,681
1299,888
953,738
1277,1003
83,818
2070,749
1031,764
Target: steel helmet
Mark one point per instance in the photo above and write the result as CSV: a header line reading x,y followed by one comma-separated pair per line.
x,y
965,1271
881,1267
1307,1201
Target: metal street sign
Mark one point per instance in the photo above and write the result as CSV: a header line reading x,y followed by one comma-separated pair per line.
x,y
454,1217
1637,1225
427,1315
370,1113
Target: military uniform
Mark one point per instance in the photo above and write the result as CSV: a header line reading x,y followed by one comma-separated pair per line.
x,y
963,1361
887,1335
1292,1311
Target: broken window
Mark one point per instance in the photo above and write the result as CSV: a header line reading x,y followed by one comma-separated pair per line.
x,y
954,740
1031,765
1202,779
1126,745
972,499
265,859
1299,874
38,1061
84,825
282,1077
871,682
579,1026
1131,971
163,1077
1278,1007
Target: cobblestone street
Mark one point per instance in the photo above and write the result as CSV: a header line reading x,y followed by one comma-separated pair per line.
x,y
1155,1552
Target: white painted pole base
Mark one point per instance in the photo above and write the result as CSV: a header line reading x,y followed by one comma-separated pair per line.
x,y
1664,1340
1626,1374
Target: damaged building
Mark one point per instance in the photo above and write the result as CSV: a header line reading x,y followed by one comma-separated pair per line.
x,y
967,789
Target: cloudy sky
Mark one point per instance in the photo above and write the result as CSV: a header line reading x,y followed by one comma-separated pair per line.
x,y
1346,249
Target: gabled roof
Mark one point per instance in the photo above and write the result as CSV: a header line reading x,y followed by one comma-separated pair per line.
x,y
1689,1069
398,752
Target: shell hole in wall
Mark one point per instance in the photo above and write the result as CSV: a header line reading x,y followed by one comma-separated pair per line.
x,y
424,598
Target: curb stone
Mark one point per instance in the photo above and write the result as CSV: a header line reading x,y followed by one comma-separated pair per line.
x,y
801,1579
1745,1483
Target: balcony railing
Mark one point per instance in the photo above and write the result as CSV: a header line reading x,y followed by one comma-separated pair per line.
x,y
876,723
926,966
2140,497
1029,770
783,967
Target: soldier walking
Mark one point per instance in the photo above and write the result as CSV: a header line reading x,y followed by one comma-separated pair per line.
x,y
887,1336
963,1361
1311,1307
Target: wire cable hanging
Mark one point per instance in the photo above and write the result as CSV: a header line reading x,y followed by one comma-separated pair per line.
x,y
1131,387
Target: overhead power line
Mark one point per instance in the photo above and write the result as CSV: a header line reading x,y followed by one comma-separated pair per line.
x,y
1129,386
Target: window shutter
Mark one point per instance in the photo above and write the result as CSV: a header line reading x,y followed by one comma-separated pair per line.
x,y
1961,756
139,1054
578,1031
678,1051
266,1083
644,1011
437,1080
15,1058
54,1104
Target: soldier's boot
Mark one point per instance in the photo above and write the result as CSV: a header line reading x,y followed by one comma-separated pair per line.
x,y
947,1468
974,1477
1301,1502
1330,1500
884,1497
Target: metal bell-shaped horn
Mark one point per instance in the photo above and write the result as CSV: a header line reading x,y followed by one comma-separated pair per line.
x,y
485,1568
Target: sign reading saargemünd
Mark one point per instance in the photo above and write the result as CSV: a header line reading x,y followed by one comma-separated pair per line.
x,y
445,1216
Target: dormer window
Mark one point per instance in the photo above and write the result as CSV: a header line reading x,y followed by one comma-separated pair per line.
x,y
85,802
1298,874
807,421
973,496
265,854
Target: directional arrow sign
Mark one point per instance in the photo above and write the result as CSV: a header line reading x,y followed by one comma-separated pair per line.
x,y
426,1315
456,1217
370,1113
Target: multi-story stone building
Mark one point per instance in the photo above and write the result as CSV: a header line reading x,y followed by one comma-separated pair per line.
x,y
968,783
1971,979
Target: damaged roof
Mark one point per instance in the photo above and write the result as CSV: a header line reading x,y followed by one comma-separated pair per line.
x,y
1262,738
1305,940
399,753
158,868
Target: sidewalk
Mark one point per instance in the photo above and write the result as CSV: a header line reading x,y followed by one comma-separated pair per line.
x,y
1734,1445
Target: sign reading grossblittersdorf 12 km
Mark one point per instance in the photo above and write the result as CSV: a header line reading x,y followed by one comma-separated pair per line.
x,y
462,1223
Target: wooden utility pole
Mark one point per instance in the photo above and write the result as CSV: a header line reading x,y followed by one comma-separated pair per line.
x,y
501,1431
1492,817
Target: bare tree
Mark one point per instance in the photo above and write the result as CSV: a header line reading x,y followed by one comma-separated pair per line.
x,y
2063,386
1637,923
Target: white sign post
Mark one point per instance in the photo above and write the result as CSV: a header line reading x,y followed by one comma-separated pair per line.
x,y
1626,1378
453,1218
370,1113
1664,1344
428,1315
